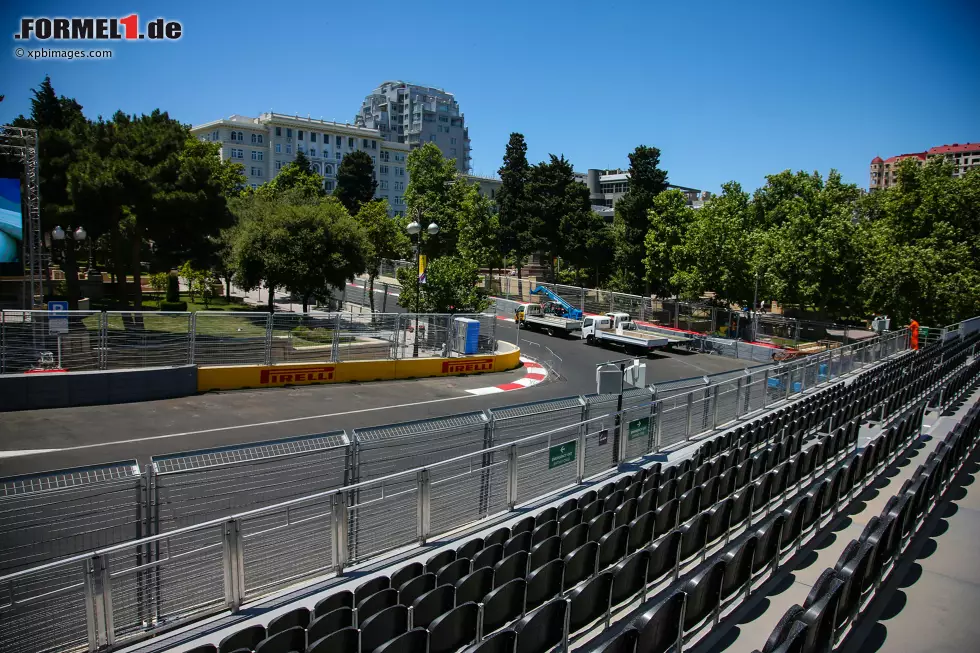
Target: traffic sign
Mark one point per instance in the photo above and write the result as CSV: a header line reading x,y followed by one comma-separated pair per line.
x,y
639,428
57,320
561,454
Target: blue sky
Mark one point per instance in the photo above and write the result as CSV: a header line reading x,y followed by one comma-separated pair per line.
x,y
727,90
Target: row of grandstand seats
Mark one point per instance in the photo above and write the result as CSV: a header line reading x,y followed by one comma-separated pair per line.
x,y
842,592
703,600
656,519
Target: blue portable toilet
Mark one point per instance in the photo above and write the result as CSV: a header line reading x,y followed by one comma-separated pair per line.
x,y
467,335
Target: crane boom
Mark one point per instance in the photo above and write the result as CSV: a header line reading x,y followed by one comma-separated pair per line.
x,y
573,313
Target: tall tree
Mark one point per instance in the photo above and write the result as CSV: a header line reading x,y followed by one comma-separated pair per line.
x,y
801,218
715,254
355,181
563,212
435,193
921,245
479,232
304,245
669,218
386,238
646,181
519,227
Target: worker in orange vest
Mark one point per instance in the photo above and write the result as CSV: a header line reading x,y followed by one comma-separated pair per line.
x,y
914,335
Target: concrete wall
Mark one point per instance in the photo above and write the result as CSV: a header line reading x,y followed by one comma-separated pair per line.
x,y
63,389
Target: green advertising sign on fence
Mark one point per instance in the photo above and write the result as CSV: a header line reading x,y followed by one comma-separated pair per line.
x,y
639,428
561,454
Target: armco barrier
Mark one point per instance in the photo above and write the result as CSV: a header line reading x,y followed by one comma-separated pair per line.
x,y
272,376
94,388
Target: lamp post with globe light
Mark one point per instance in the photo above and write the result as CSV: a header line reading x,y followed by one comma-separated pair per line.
x,y
414,228
78,235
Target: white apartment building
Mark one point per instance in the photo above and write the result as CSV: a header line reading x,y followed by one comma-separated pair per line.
x,y
414,114
265,144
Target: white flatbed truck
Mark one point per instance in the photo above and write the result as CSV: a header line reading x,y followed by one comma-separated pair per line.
x,y
619,331
533,316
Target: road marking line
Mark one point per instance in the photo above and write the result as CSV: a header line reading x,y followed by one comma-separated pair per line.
x,y
25,452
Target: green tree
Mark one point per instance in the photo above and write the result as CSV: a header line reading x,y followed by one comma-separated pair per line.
x,y
920,246
304,248
479,231
386,238
435,193
646,181
450,287
355,181
807,246
296,176
669,218
158,193
563,212
519,228
715,252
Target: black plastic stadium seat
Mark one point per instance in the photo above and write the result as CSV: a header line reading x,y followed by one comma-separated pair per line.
x,y
659,628
488,557
415,588
544,584
370,587
412,570
624,642
543,630
375,603
474,586
454,629
430,605
414,641
344,599
383,626
502,642
589,601
245,638
346,640
330,623
290,640
504,604
511,567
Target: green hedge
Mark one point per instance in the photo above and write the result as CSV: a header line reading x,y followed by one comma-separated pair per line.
x,y
173,306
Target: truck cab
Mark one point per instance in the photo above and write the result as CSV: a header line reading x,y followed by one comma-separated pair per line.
x,y
620,319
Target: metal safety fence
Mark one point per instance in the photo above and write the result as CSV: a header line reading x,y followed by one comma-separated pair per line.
x,y
225,526
108,340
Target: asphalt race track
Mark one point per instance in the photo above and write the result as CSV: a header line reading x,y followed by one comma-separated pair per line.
x,y
34,441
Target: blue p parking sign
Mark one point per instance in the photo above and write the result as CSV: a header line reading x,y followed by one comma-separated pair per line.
x,y
57,318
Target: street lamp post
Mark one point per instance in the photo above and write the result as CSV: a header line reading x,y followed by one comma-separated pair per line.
x,y
78,235
414,228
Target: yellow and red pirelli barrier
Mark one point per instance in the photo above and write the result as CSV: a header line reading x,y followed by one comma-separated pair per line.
x,y
274,376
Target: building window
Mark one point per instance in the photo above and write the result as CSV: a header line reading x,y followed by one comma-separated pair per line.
x,y
350,142
241,137
278,165
383,184
313,137
234,136
328,186
365,142
278,131
443,118
401,172
432,138
384,169
256,156
289,132
299,134
260,139
328,169
452,150
312,151
289,149
339,141
384,156
374,160
374,145
278,148
254,138
452,141
339,156
316,168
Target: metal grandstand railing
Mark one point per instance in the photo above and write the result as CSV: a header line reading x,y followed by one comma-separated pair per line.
x,y
389,492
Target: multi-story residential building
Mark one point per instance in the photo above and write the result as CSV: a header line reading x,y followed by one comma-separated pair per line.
x,y
884,172
265,144
606,187
413,114
963,157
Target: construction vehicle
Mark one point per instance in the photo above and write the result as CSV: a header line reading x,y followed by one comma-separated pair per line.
x,y
570,311
551,318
